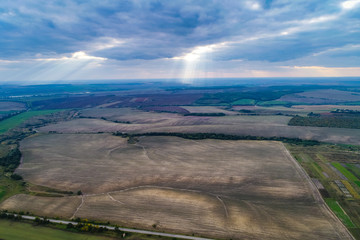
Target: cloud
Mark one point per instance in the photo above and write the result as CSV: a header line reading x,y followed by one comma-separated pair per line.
x,y
350,4
258,32
74,56
141,29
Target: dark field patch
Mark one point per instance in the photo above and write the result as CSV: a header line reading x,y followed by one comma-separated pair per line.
x,y
171,109
11,106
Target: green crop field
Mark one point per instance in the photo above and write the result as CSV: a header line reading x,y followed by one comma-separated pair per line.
x,y
12,122
244,102
274,102
18,231
344,171
353,169
335,207
7,112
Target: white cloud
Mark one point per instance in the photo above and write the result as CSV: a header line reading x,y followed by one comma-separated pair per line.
x,y
7,61
105,43
253,5
74,56
199,51
350,4
339,49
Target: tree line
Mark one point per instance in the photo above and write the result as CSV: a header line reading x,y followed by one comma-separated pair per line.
x,y
221,136
322,121
11,161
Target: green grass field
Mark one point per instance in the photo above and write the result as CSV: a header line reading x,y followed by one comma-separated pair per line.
x,y
9,187
344,171
10,230
353,169
12,122
2,192
7,112
4,150
271,103
335,207
244,102
352,103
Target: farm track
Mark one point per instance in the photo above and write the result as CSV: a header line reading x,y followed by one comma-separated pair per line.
x,y
78,208
108,154
225,208
144,151
113,199
21,161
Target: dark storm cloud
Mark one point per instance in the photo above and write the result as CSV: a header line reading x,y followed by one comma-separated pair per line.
x,y
153,29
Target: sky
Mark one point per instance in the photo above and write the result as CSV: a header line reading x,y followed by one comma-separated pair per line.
x,y
65,40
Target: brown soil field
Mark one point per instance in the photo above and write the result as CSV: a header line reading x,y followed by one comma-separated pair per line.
x,y
43,206
131,115
267,126
12,106
172,109
213,188
208,109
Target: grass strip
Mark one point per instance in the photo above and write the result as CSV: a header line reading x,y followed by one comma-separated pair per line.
x,y
335,207
15,230
273,102
345,172
244,102
353,169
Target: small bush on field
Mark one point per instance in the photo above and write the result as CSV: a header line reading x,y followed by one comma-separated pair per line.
x,y
16,177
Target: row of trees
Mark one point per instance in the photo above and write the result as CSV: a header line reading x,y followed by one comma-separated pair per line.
x,y
5,215
326,121
206,114
346,111
199,136
86,227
